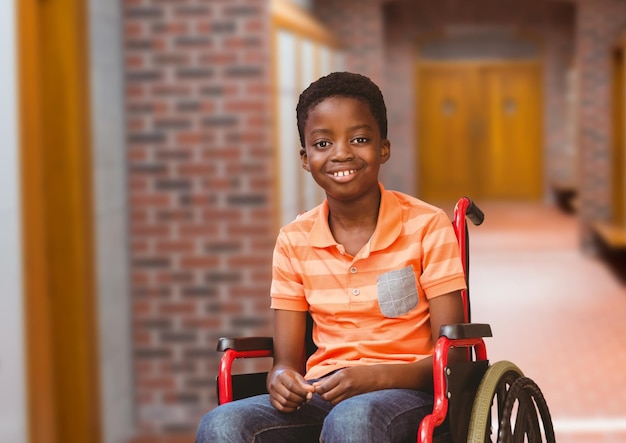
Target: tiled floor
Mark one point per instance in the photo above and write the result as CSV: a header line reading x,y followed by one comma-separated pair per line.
x,y
559,315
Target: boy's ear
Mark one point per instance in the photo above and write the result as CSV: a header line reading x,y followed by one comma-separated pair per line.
x,y
385,150
304,159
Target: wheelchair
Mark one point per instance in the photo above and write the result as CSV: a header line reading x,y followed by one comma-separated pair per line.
x,y
474,401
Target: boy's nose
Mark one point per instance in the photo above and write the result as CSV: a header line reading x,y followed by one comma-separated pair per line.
x,y
342,151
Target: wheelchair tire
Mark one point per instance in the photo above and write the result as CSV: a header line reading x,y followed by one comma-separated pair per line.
x,y
524,406
492,392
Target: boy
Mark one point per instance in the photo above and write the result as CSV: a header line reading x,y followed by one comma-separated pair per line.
x,y
379,273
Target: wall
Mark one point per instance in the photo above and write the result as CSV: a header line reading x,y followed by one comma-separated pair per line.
x,y
12,364
201,181
111,220
560,165
599,24
358,26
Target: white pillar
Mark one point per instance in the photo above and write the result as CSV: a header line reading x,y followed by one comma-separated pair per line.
x,y
13,428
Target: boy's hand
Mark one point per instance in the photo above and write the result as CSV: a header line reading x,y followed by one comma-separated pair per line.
x,y
288,390
346,383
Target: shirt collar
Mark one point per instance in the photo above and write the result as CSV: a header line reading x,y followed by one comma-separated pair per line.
x,y
388,226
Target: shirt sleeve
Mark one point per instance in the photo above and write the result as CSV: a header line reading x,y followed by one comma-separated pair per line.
x,y
287,290
442,270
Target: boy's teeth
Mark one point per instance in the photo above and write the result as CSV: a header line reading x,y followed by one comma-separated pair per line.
x,y
343,173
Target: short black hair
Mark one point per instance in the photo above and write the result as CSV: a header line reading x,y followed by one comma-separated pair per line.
x,y
342,84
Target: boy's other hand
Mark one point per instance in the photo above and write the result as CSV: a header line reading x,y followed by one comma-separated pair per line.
x,y
346,383
288,390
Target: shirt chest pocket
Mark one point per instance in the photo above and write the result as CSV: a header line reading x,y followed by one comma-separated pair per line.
x,y
397,292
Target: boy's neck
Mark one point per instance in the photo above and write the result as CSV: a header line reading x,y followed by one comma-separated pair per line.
x,y
352,224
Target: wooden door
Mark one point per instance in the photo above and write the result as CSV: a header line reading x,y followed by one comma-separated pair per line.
x,y
479,131
511,140
445,127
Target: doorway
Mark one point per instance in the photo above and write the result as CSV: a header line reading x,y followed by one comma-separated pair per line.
x,y
479,130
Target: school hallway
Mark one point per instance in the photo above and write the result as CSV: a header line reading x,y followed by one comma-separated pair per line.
x,y
556,313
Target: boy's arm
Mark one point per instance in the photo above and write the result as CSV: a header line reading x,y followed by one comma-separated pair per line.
x,y
287,387
445,309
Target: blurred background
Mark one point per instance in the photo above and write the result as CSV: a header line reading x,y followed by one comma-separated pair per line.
x,y
150,154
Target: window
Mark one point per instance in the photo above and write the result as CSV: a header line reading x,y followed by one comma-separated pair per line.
x,y
303,51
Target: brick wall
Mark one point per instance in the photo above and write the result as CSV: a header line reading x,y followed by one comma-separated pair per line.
x,y
359,27
200,191
599,24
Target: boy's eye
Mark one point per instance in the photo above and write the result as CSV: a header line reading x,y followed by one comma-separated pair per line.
x,y
321,144
361,140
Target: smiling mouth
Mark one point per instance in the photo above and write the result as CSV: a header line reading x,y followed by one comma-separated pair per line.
x,y
344,173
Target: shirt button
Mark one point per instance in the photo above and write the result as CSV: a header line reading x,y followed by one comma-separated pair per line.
x,y
356,291
352,270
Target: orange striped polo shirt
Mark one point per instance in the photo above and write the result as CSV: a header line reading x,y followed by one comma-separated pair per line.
x,y
371,308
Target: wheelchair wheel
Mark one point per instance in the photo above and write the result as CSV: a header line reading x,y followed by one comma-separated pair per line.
x,y
488,407
523,407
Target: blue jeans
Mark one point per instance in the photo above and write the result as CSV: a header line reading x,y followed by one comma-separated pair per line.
x,y
390,415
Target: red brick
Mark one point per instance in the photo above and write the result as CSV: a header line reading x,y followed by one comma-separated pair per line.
x,y
227,153
210,323
133,30
190,138
199,262
156,383
143,368
145,230
221,58
139,278
141,338
138,185
150,200
245,106
137,154
177,308
208,107
255,26
135,61
200,169
141,308
174,246
135,124
135,91
197,230
247,262
221,214
139,246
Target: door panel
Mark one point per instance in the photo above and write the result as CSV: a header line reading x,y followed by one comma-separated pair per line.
x,y
445,109
512,166
479,131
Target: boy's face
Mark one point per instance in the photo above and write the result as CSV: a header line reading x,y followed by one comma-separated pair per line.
x,y
343,148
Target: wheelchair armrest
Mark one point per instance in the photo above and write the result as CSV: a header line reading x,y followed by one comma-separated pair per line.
x,y
465,330
245,343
